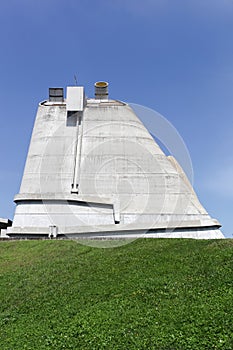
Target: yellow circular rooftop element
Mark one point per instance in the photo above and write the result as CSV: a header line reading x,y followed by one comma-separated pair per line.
x,y
101,84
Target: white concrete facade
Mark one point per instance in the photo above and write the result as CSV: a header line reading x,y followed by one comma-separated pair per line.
x,y
98,171
4,223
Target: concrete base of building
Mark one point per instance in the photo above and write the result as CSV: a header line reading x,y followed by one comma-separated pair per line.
x,y
117,232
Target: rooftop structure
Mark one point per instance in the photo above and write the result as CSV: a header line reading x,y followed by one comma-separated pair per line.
x,y
94,170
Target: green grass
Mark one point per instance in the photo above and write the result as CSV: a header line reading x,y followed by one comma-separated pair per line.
x,y
150,294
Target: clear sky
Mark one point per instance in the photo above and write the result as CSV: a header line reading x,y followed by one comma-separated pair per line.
x,y
174,56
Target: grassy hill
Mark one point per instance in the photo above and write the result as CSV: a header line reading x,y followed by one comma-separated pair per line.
x,y
150,294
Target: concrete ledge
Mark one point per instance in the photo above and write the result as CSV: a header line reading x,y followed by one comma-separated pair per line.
x,y
115,229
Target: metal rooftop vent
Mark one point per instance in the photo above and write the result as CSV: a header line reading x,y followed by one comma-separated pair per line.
x,y
56,95
101,90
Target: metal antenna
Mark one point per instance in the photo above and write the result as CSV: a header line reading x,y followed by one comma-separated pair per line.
x,y
75,79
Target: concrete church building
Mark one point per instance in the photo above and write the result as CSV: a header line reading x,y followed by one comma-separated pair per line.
x,y
94,170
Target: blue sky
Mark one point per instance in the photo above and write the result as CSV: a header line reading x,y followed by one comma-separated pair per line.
x,y
174,56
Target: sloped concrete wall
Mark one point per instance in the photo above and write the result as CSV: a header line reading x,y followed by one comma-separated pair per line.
x,y
100,170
